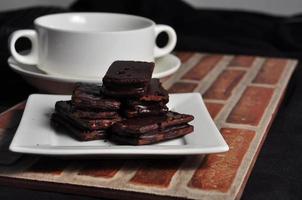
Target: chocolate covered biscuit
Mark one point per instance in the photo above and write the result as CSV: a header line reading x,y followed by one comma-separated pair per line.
x,y
153,102
89,96
94,124
66,106
153,137
82,134
155,92
123,92
130,103
127,79
142,110
91,114
129,73
91,124
141,125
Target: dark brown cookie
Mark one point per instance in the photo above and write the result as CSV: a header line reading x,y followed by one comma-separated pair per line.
x,y
140,110
141,125
123,92
89,96
154,137
155,92
91,124
66,106
130,103
128,72
122,87
85,114
81,134
95,124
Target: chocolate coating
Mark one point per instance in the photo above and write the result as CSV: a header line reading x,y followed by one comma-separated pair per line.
x,y
60,123
128,72
66,106
123,92
90,124
141,125
155,92
141,110
89,96
159,136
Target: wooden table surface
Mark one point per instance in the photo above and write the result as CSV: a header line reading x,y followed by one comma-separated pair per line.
x,y
242,94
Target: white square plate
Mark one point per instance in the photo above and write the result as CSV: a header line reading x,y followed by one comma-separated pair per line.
x,y
35,135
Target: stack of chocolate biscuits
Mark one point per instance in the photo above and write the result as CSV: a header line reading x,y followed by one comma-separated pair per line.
x,y
89,113
146,116
129,108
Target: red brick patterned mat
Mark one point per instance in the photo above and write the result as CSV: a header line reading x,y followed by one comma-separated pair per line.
x,y
242,94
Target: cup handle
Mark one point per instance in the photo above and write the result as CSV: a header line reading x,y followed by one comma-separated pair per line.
x,y
32,57
158,52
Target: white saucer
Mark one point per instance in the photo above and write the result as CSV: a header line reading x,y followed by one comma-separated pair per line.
x,y
164,66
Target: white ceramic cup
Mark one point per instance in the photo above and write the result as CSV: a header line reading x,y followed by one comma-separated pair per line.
x,y
85,44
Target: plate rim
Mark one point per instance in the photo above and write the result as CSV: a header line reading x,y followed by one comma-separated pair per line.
x,y
121,149
14,65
